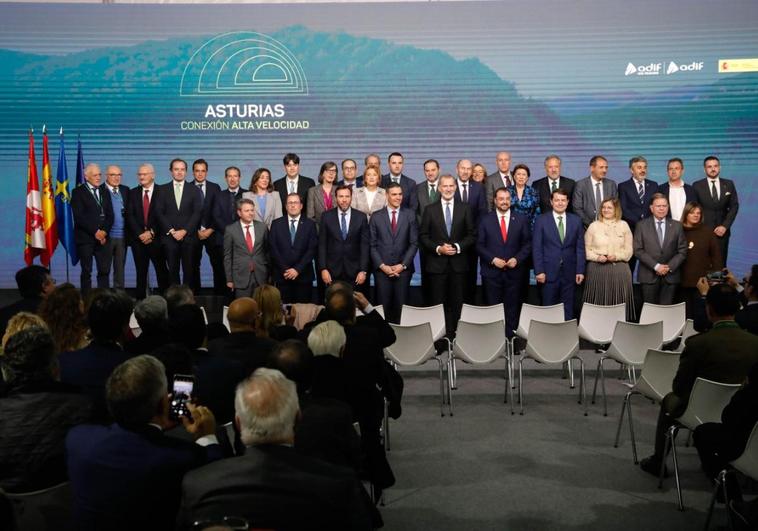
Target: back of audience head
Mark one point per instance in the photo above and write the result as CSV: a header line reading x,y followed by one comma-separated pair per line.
x,y
34,281
751,284
178,295
176,359
22,321
327,338
187,326
293,359
29,357
108,316
340,305
269,301
63,311
722,302
151,313
137,391
243,315
266,408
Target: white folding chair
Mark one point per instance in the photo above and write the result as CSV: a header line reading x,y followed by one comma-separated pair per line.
x,y
673,318
225,317
134,325
378,307
552,343
482,314
597,323
434,315
654,383
415,346
529,313
629,345
689,331
707,400
481,344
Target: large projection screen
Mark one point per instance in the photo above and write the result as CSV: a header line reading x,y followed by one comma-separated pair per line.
x,y
243,84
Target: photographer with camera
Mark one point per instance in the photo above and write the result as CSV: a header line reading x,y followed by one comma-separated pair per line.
x,y
747,316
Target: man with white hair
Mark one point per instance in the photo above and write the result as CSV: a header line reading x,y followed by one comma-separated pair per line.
x,y
273,486
152,317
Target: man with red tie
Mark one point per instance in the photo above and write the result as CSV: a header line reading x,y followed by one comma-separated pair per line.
x,y
245,251
504,243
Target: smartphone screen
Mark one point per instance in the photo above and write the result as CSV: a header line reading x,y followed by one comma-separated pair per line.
x,y
180,394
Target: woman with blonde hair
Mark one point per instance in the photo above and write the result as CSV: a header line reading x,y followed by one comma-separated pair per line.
x,y
22,321
63,311
273,322
370,197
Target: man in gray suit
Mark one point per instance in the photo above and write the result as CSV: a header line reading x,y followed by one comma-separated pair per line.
x,y
502,178
394,241
590,192
661,248
245,251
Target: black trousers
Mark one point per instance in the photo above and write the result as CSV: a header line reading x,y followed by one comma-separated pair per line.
x,y
180,254
658,292
505,291
448,289
143,255
215,253
295,291
101,254
392,293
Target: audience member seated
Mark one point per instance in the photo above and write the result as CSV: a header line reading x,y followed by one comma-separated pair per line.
x,y
217,377
272,485
63,311
152,316
178,295
242,345
91,366
723,354
34,284
128,475
35,413
747,317
273,323
22,321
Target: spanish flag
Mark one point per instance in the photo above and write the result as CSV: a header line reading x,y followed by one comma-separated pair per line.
x,y
48,205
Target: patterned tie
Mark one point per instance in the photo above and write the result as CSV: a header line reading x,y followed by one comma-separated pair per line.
x,y
115,190
343,225
714,192
598,198
248,239
393,224
464,196
293,230
145,207
448,219
503,229
641,192
561,229
553,185
660,233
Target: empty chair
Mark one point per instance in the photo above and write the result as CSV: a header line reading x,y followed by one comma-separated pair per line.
x,y
480,343
654,383
482,314
529,313
689,331
673,318
552,343
434,315
629,346
707,400
42,509
597,323
415,346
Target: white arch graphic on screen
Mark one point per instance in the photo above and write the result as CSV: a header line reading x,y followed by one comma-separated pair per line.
x,y
243,63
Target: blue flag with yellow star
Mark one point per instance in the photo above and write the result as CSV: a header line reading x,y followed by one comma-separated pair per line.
x,y
63,214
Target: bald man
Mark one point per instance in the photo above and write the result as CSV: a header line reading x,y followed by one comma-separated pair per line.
x,y
242,345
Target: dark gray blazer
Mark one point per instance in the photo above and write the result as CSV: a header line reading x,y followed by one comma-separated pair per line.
x,y
583,200
649,252
423,198
398,248
238,260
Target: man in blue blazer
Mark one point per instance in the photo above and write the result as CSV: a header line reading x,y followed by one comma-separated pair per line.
x,y
206,232
293,241
558,252
179,209
635,196
396,175
678,192
504,243
472,193
128,475
394,241
343,243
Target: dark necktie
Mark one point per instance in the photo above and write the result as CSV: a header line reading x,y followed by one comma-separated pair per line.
x,y
660,232
641,192
432,193
293,231
145,206
343,225
598,198
714,192
464,196
394,222
448,219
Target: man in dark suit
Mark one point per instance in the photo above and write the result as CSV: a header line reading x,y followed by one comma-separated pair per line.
x,y
396,175
448,236
246,251
661,248
590,192
151,314
293,181
145,231
128,475
34,283
428,193
271,484
635,196
552,181
719,200
678,192
93,219
394,241
119,236
225,208
558,252
504,244
349,171
502,178
294,242
206,231
343,243
472,193
179,209
723,354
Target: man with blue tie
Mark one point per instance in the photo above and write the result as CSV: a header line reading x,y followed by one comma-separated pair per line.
x,y
396,175
472,193
293,242
205,233
93,219
343,243
394,241
635,195
504,243
179,209
558,252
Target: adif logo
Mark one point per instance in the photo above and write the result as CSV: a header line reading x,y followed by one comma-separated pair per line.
x,y
672,68
653,69
694,66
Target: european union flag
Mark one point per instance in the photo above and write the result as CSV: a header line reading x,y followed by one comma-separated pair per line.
x,y
63,214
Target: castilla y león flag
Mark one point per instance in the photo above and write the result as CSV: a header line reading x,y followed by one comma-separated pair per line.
x,y
35,234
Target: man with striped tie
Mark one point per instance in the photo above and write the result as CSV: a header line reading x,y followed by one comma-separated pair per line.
x,y
635,196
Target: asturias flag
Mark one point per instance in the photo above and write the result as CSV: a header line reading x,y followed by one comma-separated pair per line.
x,y
35,235
48,205
63,207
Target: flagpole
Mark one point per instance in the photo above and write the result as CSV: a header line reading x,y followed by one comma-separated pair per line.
x,y
67,279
